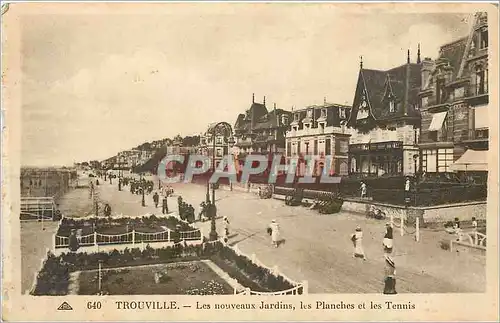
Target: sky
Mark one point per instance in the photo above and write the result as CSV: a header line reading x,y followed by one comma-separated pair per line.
x,y
96,84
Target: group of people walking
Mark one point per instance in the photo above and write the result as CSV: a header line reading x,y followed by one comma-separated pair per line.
x,y
387,244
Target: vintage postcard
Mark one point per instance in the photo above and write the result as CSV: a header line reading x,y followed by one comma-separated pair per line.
x,y
279,161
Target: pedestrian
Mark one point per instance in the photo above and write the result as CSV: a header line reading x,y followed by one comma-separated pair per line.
x,y
458,230
474,224
363,190
390,276
107,210
388,238
225,223
407,188
275,233
156,199
201,211
357,240
164,208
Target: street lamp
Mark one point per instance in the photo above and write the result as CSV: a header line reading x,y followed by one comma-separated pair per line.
x,y
224,129
119,173
143,202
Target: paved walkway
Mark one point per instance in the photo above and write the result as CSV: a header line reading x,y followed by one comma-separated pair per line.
x,y
317,247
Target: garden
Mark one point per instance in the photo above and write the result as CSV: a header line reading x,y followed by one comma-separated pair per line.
x,y
111,226
182,278
53,278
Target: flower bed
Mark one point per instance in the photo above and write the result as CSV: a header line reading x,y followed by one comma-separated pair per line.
x,y
186,278
53,277
149,224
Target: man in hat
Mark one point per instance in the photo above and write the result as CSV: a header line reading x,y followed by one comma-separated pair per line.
x,y
357,240
164,208
156,199
388,237
390,276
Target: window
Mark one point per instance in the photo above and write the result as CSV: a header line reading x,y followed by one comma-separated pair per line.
x,y
307,147
298,147
342,113
218,152
288,149
295,128
484,38
322,126
323,113
218,141
343,146
481,81
445,160
296,117
440,91
307,125
343,168
315,146
328,146
392,109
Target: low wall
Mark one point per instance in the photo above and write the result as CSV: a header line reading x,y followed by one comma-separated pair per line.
x,y
456,246
427,215
462,211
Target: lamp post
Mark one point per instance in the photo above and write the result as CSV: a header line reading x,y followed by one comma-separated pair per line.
x,y
119,173
224,129
143,202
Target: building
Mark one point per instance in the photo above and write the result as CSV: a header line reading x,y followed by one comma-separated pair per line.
x,y
385,121
260,131
222,143
454,100
319,131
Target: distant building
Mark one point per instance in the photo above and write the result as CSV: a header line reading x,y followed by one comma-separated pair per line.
x,y
319,131
221,144
385,121
454,101
260,131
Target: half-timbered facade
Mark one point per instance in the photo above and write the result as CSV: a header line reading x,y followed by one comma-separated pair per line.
x,y
385,121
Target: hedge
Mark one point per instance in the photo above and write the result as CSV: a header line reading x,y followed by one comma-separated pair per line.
x,y
53,278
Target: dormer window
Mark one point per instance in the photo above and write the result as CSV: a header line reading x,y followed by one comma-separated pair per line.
x,y
307,125
342,113
322,126
392,107
296,117
294,128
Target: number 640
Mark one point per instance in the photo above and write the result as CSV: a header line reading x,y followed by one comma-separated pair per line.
x,y
94,305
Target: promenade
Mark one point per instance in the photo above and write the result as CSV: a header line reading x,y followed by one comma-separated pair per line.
x,y
317,247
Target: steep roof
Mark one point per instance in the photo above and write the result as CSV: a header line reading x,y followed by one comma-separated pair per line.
x,y
453,53
402,82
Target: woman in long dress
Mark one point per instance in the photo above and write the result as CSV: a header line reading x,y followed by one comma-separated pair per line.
x,y
357,240
390,276
275,232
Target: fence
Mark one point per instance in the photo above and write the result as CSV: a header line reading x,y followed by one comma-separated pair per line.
x,y
432,196
474,240
132,237
405,227
37,208
299,289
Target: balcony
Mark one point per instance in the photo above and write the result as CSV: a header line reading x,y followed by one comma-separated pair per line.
x,y
478,135
477,94
382,146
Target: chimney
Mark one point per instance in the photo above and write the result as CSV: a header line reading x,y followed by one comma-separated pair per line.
x,y
408,57
361,62
418,54
324,100
264,101
253,97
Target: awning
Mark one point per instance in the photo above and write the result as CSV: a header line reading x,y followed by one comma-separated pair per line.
x,y
437,121
472,160
481,117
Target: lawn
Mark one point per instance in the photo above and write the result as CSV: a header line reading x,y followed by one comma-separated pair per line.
x,y
181,278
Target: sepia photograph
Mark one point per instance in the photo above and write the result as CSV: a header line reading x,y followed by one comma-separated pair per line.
x,y
265,152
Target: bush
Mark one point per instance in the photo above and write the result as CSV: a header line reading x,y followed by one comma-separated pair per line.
x,y
444,244
332,206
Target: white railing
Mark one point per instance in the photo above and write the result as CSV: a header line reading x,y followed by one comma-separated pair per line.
x,y
132,237
292,291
